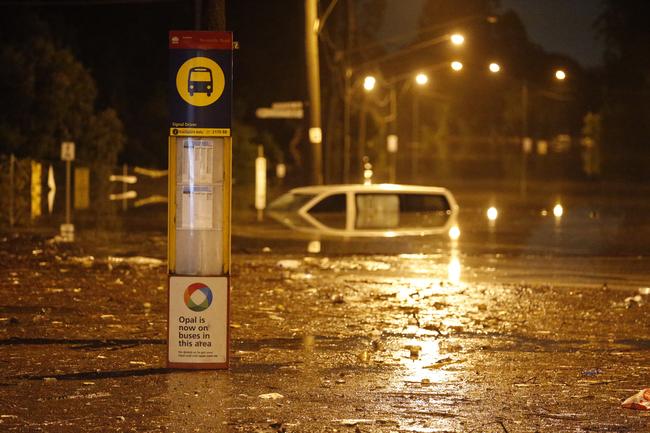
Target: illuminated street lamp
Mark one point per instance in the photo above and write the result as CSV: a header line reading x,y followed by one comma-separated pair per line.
x,y
494,67
421,79
457,39
456,65
560,75
369,83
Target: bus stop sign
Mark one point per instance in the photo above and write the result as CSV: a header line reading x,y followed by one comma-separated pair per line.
x,y
200,80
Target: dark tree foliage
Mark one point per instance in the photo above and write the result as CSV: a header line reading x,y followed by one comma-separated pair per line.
x,y
350,42
49,97
626,114
124,45
269,66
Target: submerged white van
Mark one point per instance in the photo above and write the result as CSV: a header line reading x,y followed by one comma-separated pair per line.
x,y
381,210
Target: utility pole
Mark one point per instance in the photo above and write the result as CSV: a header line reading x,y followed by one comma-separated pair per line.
x,y
198,11
313,83
524,139
347,138
415,139
210,15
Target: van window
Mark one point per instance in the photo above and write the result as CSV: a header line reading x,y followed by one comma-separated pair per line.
x,y
424,203
331,211
387,211
377,211
290,202
332,203
423,210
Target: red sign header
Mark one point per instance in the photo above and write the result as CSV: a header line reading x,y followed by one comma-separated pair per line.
x,y
200,40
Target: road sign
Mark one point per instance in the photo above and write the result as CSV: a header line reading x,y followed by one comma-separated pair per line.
x,y
51,194
123,195
123,178
67,232
149,172
279,113
67,151
200,78
200,188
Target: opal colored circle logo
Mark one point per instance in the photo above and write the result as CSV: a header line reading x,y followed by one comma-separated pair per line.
x,y
198,297
200,81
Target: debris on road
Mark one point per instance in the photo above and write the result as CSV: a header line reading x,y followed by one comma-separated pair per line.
x,y
443,362
633,301
639,401
271,396
592,372
414,350
289,264
135,261
85,261
354,422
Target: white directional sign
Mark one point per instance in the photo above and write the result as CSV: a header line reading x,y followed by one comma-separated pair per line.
x,y
51,184
279,113
123,195
122,178
281,110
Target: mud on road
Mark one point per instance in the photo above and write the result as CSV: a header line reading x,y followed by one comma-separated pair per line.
x,y
363,343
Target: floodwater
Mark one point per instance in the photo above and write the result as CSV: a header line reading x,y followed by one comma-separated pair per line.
x,y
528,323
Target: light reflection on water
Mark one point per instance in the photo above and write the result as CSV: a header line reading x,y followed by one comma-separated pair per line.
x,y
434,291
420,358
454,270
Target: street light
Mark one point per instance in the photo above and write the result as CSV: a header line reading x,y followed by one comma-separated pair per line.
x,y
421,79
456,65
457,39
560,75
494,67
369,83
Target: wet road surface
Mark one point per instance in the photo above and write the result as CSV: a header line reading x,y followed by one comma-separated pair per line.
x,y
519,327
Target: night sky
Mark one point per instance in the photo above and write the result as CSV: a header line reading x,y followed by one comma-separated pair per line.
x,y
562,26
559,26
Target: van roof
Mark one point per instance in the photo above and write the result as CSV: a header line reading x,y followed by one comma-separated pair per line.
x,y
380,187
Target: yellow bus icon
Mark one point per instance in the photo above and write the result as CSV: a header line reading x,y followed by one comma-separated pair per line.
x,y
199,80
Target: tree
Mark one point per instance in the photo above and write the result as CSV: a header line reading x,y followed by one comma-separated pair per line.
x,y
626,113
52,99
